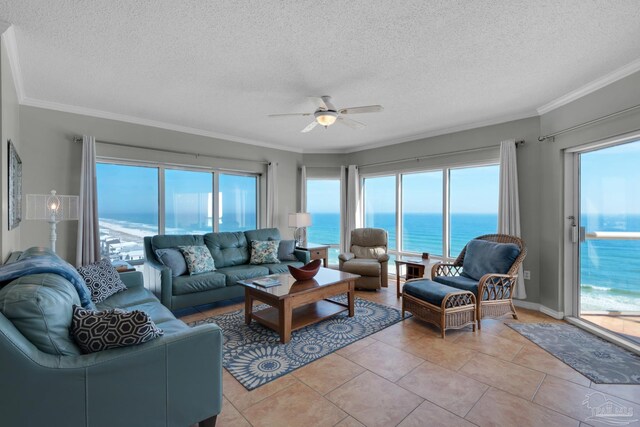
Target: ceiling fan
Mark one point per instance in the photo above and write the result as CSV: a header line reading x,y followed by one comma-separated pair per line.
x,y
326,114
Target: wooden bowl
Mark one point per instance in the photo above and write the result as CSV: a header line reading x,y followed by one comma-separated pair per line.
x,y
306,272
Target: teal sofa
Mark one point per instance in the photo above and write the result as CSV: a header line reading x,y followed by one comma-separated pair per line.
x,y
231,252
174,380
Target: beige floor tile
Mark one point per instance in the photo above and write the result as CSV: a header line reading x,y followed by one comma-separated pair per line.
x,y
514,336
349,422
428,414
374,401
532,356
385,360
442,352
241,398
230,417
497,408
507,376
328,373
494,326
630,392
297,405
424,327
489,344
399,335
356,346
569,398
193,317
448,389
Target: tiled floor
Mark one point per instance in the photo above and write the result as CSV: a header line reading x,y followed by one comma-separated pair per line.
x,y
407,375
627,326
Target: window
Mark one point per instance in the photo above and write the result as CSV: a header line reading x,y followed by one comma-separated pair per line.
x,y
237,202
380,205
473,201
323,203
127,209
422,212
187,202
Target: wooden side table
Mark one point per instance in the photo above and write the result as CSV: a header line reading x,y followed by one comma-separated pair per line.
x,y
415,269
317,252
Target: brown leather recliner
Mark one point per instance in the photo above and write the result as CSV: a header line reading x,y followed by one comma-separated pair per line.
x,y
367,257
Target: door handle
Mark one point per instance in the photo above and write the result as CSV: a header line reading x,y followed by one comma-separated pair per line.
x,y
582,235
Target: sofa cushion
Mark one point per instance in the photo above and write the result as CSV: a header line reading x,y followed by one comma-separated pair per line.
x,y
286,250
164,241
263,234
40,307
128,298
264,252
426,290
282,267
483,257
459,282
368,252
101,330
242,272
363,267
198,283
102,279
198,259
172,326
173,258
228,248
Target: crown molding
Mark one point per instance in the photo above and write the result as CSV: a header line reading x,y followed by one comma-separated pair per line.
x,y
592,86
430,134
30,102
9,38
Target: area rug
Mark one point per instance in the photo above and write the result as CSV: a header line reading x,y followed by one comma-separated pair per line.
x,y
254,355
597,359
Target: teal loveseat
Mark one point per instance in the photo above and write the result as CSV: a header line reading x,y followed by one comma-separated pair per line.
x,y
174,380
231,252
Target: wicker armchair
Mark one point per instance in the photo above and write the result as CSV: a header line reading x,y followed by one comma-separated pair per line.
x,y
495,291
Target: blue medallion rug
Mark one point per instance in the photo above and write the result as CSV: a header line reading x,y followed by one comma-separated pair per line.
x,y
254,355
597,359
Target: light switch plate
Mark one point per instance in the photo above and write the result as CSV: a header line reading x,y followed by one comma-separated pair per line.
x,y
527,275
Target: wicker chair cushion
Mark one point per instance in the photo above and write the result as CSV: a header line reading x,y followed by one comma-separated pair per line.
x,y
483,257
426,290
459,282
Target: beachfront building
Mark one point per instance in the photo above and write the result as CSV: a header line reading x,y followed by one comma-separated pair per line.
x,y
215,117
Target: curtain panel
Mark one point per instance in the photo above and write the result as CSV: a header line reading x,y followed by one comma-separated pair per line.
x,y
88,244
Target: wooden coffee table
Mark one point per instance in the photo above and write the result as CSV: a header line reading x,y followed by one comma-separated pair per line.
x,y
296,304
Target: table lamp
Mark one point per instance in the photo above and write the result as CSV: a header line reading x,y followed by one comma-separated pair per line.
x,y
299,220
52,208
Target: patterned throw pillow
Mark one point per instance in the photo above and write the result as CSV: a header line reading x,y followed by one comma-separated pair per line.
x,y
198,259
100,330
102,279
264,252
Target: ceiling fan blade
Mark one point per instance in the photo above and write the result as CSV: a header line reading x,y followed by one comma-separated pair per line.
x,y
318,102
364,109
290,114
351,123
309,127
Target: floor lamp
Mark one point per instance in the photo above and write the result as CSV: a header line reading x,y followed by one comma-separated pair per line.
x,y
52,208
299,220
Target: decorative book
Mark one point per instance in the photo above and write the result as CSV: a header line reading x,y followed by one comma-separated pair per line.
x,y
267,282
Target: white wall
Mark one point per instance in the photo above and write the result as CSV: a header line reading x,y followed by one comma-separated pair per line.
x,y
10,119
51,160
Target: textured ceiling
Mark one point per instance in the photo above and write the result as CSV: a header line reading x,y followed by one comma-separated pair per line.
x,y
222,66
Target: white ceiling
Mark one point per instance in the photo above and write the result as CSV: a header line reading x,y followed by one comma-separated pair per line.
x,y
222,66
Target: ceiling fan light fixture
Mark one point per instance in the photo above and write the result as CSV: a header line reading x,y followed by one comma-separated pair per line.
x,y
326,118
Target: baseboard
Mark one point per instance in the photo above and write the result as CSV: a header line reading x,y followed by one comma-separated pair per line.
x,y
538,307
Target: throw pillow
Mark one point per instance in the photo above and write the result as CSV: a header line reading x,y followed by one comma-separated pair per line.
x,y
264,252
286,250
483,257
100,330
173,259
198,259
102,279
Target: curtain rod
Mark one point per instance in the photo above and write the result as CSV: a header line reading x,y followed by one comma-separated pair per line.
x,y
431,156
166,150
590,122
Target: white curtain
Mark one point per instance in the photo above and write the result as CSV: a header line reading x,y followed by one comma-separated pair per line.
x,y
509,204
272,195
343,210
353,204
303,200
88,245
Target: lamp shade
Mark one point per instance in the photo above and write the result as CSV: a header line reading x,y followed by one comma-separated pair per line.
x,y
300,219
52,207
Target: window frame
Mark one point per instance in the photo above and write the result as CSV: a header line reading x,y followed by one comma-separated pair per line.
x,y
445,169
215,174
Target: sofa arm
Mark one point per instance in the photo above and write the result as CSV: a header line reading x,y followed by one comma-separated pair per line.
x,y
494,287
383,257
132,279
166,281
302,255
346,256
